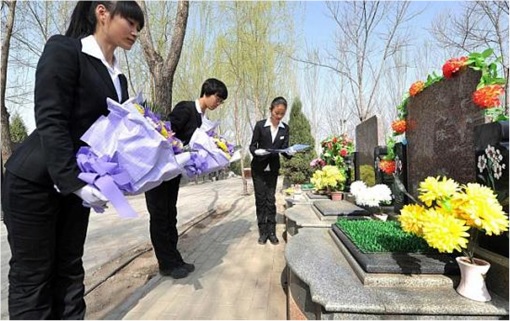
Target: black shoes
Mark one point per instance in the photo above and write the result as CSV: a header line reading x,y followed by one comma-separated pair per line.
x,y
263,239
273,239
178,272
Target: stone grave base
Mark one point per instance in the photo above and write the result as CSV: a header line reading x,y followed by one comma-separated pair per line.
x,y
387,269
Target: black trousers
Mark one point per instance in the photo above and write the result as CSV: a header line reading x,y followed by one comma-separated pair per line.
x,y
162,206
264,184
46,234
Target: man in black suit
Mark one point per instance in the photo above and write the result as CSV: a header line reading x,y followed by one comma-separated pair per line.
x,y
162,200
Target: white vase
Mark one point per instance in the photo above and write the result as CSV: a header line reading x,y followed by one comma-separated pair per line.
x,y
472,279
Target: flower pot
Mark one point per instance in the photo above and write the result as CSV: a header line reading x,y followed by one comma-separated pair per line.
x,y
337,196
472,279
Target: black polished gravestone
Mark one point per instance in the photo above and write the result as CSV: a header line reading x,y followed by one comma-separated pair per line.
x,y
399,198
491,149
368,135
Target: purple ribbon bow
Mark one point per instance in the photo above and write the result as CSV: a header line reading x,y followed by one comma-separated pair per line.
x,y
106,174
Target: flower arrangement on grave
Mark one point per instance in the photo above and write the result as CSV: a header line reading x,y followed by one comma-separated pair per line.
x,y
335,151
317,163
335,148
371,197
487,95
416,88
328,179
449,216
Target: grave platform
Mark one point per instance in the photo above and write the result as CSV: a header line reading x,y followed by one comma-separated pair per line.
x,y
318,214
323,285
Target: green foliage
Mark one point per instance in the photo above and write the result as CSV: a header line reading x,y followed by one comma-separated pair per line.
x,y
18,129
373,236
367,174
298,169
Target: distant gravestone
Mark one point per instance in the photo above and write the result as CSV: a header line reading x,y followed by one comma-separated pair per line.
x,y
440,130
368,135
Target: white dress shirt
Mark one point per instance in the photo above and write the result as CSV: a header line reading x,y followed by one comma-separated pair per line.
x,y
91,48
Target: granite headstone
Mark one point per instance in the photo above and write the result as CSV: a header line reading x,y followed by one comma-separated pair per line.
x,y
440,130
368,135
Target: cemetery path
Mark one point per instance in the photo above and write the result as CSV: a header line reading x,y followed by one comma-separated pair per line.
x,y
219,235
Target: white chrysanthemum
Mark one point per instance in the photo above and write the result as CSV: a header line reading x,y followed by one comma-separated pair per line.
x,y
372,196
357,188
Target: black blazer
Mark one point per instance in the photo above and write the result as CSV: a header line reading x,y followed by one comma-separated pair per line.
x,y
262,139
71,88
184,119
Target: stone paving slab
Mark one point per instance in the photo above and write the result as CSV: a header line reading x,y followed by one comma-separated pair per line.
x,y
235,277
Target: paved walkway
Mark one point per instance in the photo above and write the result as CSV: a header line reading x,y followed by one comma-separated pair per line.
x,y
230,264
235,277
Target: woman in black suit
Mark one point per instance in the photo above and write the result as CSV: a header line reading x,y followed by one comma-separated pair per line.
x,y
269,133
161,201
42,195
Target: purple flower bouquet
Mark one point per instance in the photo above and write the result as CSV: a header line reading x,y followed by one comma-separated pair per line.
x,y
206,154
129,153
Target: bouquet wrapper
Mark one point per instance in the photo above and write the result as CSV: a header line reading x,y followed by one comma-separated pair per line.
x,y
206,154
128,153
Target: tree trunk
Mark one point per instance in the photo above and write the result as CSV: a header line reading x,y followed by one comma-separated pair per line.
x,y
6,136
164,71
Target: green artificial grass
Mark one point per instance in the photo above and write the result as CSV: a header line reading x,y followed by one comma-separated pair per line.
x,y
374,236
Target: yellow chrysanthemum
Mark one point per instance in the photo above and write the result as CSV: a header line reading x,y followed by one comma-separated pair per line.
x,y
329,177
433,189
445,232
478,205
164,132
139,108
411,218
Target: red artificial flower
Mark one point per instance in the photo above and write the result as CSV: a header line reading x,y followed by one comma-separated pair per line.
x,y
416,88
399,126
488,96
343,152
453,65
387,166
334,140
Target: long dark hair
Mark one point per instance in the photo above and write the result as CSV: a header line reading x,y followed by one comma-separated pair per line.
x,y
83,20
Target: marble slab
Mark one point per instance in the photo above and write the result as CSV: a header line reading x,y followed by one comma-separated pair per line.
x,y
339,208
313,196
313,257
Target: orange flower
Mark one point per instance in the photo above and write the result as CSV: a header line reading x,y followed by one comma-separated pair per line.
x,y
387,166
488,96
453,65
416,88
399,126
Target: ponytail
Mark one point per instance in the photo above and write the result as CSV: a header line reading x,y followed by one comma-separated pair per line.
x,y
83,20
